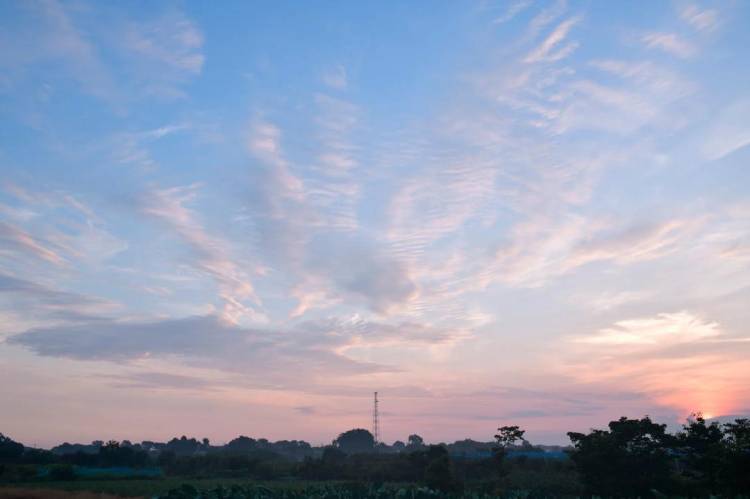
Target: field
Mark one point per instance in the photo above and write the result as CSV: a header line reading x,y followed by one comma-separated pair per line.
x,y
107,489
176,488
25,493
129,488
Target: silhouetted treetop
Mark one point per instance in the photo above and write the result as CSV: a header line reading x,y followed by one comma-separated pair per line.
x,y
355,441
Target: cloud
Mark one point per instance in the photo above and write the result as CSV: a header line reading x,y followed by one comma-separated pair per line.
x,y
678,359
164,52
546,16
358,332
336,78
204,341
160,380
512,11
360,272
210,254
541,249
264,142
305,410
663,329
613,300
132,148
729,132
50,33
636,243
702,20
307,228
172,42
27,302
151,57
336,192
543,53
63,230
669,43
309,354
25,243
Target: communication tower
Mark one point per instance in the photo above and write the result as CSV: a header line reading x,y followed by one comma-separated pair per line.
x,y
375,418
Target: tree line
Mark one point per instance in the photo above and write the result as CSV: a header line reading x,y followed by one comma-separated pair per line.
x,y
631,458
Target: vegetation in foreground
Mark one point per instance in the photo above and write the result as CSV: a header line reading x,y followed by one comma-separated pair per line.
x,y
27,493
632,458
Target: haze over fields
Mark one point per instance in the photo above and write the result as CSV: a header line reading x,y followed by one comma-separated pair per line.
x,y
245,218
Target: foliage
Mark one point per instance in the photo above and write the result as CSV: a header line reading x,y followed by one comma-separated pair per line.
x,y
506,437
701,449
415,442
62,472
631,459
339,491
736,471
10,450
354,441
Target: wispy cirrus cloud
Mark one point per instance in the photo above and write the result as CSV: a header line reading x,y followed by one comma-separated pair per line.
x,y
670,43
157,55
548,51
700,19
23,242
512,11
165,51
540,250
336,77
210,253
729,132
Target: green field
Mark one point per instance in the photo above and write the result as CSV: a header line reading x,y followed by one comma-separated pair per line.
x,y
176,488
151,487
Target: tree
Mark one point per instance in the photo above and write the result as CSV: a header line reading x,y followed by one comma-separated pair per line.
x,y
355,441
242,445
415,442
737,470
632,459
10,450
702,450
506,437
438,474
183,445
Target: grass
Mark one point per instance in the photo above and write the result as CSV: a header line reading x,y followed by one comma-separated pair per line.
x,y
26,493
129,487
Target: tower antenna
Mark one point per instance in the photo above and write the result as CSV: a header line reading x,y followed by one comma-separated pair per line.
x,y
375,418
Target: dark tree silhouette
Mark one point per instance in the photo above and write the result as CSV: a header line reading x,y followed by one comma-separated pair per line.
x,y
415,442
438,473
242,445
702,452
355,441
736,472
631,459
506,437
10,450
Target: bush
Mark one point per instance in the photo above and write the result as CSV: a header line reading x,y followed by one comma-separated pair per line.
x,y
62,472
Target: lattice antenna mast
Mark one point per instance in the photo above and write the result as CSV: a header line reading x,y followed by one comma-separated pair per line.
x,y
375,419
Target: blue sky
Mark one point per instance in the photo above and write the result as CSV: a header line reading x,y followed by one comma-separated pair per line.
x,y
246,218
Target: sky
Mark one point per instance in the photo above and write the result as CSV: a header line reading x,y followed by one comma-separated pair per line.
x,y
244,218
